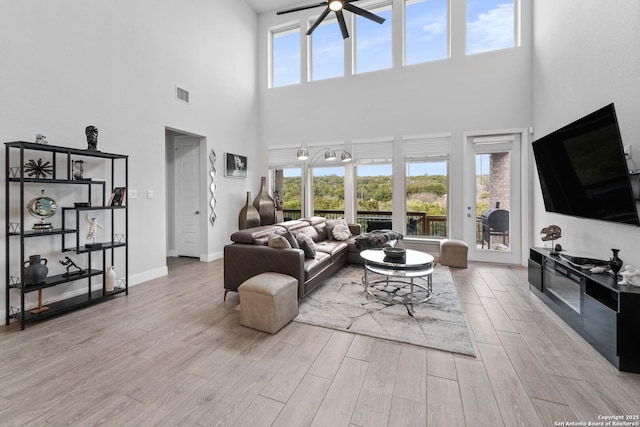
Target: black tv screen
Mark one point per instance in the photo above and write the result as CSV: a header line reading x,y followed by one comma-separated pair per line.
x,y
583,171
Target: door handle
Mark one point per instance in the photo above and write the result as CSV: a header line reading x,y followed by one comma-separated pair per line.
x,y
197,212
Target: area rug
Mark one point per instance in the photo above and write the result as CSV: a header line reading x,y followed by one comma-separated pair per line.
x,y
340,303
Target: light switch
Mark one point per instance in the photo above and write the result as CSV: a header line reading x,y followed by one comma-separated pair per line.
x,y
133,194
149,194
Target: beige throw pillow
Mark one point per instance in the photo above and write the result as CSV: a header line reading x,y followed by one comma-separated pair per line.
x,y
278,242
341,232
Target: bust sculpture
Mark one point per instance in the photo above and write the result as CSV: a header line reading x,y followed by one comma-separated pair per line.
x,y
92,138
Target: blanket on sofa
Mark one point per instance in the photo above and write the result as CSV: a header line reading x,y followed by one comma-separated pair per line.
x,y
376,238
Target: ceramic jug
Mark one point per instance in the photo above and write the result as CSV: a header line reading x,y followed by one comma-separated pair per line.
x,y
35,270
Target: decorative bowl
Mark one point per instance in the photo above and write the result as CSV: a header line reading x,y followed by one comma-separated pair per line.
x,y
394,252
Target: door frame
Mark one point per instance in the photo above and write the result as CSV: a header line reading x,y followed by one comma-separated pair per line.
x,y
518,252
171,208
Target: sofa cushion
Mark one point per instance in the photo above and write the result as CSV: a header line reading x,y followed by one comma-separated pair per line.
x,y
321,229
315,220
307,245
278,242
332,247
330,223
316,264
251,234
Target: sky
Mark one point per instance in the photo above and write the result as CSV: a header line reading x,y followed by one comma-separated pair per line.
x,y
490,26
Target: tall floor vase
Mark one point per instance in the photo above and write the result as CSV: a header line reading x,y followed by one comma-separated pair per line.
x,y
249,216
265,204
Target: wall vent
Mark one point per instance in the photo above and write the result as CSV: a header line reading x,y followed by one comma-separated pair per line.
x,y
182,94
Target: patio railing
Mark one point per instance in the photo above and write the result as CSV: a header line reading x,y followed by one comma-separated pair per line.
x,y
418,223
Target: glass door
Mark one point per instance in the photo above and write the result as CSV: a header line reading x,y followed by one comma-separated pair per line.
x,y
493,198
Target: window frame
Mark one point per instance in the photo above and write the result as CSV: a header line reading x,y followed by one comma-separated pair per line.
x,y
281,31
373,7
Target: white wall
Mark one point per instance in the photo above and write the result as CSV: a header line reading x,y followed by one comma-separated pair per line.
x,y
114,64
489,91
585,57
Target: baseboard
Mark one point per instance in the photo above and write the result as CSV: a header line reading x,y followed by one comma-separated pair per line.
x,y
135,279
211,257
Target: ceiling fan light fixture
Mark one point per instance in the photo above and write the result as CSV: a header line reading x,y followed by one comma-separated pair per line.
x,y
336,5
330,155
302,154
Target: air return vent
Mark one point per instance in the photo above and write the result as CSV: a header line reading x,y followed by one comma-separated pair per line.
x,y
182,94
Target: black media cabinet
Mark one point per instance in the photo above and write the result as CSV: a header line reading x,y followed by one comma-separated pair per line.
x,y
604,313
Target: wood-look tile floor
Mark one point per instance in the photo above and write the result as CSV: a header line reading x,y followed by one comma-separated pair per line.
x,y
173,353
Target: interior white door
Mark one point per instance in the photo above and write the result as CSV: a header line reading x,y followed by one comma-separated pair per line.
x,y
187,196
493,199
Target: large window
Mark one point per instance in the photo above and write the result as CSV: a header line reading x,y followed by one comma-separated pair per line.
x,y
327,51
426,31
328,191
427,184
374,192
491,25
373,50
285,60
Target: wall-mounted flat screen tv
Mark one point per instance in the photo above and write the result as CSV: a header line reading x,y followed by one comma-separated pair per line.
x,y
583,171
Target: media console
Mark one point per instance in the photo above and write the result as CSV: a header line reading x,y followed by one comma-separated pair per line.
x,y
604,313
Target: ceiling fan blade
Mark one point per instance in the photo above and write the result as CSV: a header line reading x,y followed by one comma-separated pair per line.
x,y
319,20
296,9
343,25
363,13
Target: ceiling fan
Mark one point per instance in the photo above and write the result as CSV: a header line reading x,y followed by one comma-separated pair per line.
x,y
335,6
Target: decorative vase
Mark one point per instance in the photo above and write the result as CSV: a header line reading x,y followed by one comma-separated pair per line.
x,y
109,279
36,271
249,216
265,204
615,263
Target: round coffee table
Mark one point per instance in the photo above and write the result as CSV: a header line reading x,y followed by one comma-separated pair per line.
x,y
397,285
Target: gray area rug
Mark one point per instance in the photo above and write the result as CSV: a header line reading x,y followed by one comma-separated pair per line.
x,y
340,303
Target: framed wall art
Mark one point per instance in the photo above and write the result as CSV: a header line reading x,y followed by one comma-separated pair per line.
x,y
235,166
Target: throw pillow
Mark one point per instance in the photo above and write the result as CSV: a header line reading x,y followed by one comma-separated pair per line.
x,y
307,245
278,242
341,232
330,224
291,239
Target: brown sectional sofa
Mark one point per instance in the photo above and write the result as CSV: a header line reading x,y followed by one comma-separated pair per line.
x,y
249,254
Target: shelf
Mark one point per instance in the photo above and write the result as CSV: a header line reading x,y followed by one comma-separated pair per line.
x,y
105,245
65,150
58,279
56,181
41,233
69,304
92,208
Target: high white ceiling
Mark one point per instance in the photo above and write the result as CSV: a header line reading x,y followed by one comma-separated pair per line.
x,y
261,6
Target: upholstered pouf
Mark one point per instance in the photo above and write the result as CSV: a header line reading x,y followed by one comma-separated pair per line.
x,y
268,301
453,253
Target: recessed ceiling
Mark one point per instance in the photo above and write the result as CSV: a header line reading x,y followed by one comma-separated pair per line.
x,y
261,6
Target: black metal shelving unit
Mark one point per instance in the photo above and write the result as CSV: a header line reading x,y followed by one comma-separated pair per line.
x,y
16,180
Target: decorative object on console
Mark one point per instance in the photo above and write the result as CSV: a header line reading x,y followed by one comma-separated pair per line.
x,y
552,232
38,170
68,262
77,166
630,276
109,279
249,216
34,270
335,6
265,204
41,139
235,166
212,188
615,263
92,138
42,207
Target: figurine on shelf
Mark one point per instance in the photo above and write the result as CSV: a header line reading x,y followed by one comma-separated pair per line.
x,y
68,262
552,232
92,138
93,229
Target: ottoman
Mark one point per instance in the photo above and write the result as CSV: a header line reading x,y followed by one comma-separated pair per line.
x,y
453,253
268,301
